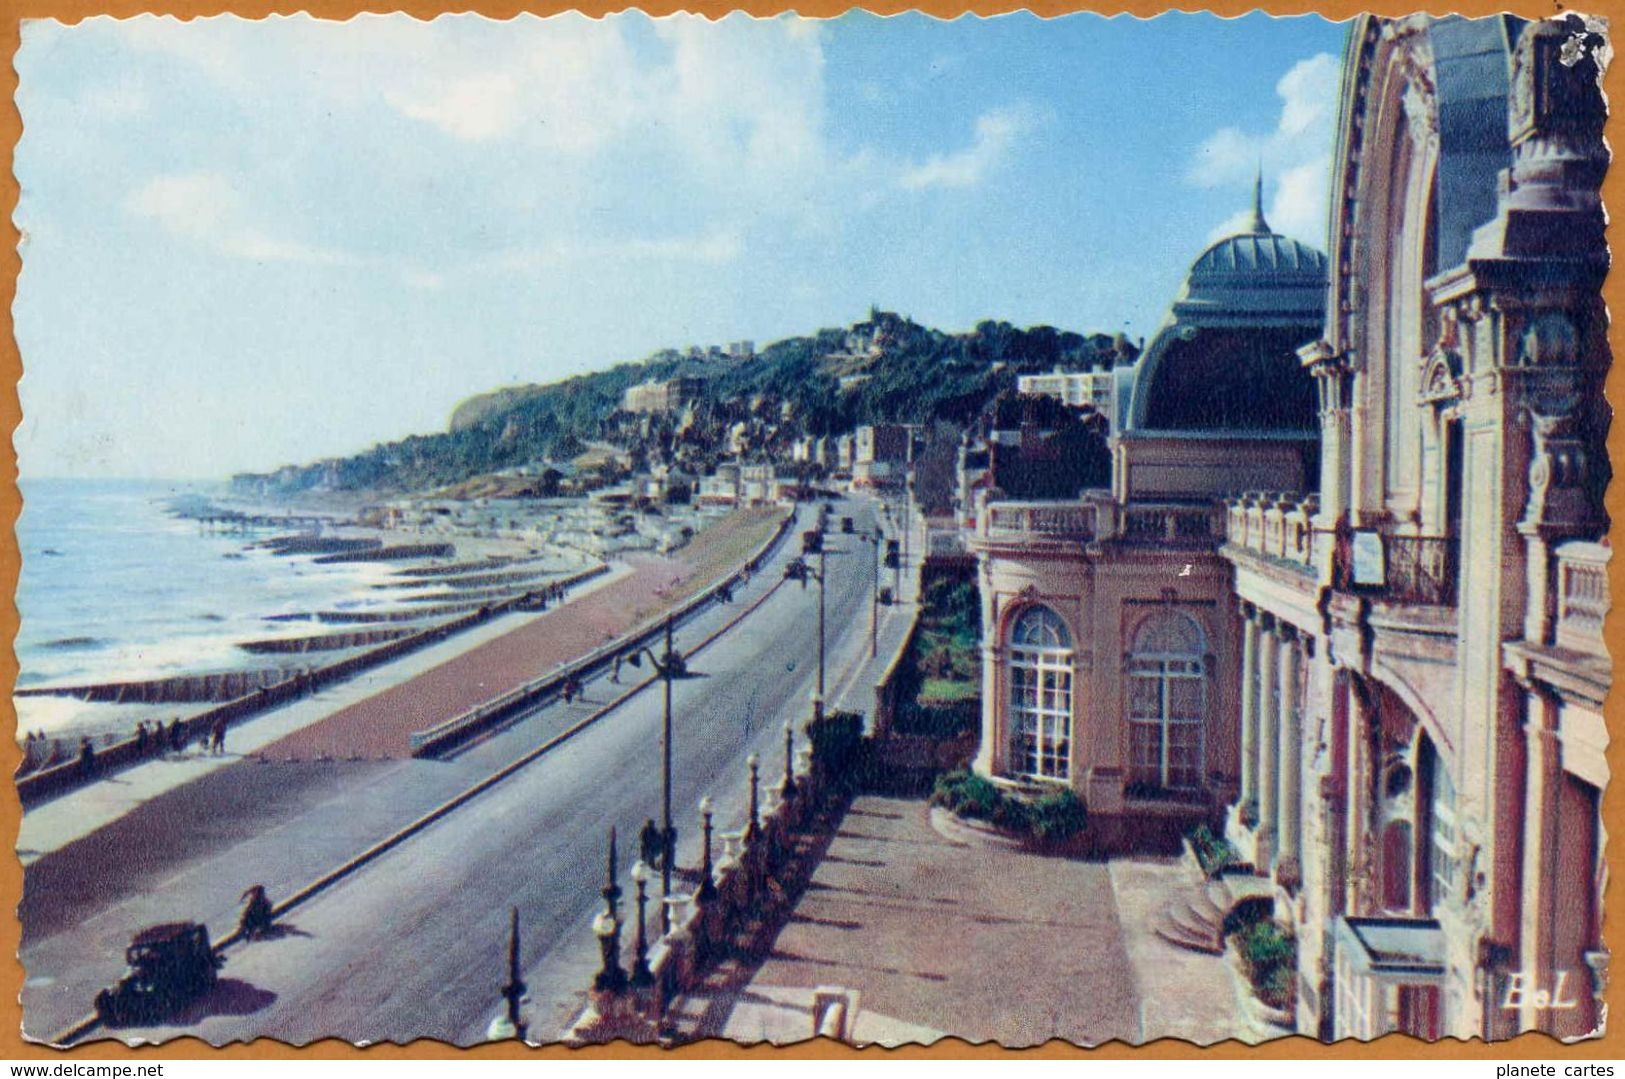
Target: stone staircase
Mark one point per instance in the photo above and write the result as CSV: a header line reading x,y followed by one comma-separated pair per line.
x,y
1194,919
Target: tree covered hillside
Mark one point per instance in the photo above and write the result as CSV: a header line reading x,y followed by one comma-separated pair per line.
x,y
884,369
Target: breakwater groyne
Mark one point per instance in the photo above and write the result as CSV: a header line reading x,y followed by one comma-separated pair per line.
x,y
320,545
177,689
399,552
325,642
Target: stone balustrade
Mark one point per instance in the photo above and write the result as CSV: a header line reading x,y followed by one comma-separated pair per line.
x,y
1278,526
1096,518
1043,520
747,867
1168,525
1582,596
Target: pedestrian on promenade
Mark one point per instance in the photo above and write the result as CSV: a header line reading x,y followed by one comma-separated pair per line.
x,y
217,737
87,758
615,672
141,739
649,843
177,737
254,923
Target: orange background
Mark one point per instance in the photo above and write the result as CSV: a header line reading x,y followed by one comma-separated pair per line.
x,y
1394,1046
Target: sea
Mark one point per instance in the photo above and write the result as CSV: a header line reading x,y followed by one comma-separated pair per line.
x,y
115,587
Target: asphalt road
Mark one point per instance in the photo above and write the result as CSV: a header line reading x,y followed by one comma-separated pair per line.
x,y
415,944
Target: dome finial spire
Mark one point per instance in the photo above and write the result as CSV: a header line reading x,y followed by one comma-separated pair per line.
x,y
1258,224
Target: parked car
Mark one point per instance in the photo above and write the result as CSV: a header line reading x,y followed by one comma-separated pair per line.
x,y
170,965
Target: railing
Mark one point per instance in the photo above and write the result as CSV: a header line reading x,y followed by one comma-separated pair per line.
x,y
1420,569
1582,596
1169,526
1274,525
1050,520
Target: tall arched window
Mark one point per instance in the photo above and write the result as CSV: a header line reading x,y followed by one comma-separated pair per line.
x,y
1040,695
1436,806
1167,703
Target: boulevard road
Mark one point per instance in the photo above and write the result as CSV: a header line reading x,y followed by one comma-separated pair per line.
x,y
415,944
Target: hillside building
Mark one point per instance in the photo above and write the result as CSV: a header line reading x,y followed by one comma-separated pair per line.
x,y
663,396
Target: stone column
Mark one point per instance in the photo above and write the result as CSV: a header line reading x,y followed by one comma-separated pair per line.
x,y
1249,709
1357,794
1269,729
1332,383
990,755
1542,776
1289,773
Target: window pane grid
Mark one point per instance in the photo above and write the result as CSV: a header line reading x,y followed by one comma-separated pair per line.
x,y
1040,696
1167,703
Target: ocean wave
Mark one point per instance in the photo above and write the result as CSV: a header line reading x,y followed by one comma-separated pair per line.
x,y
75,644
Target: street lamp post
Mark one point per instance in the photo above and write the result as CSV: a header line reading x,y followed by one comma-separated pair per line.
x,y
514,991
668,845
607,928
669,667
823,572
874,595
798,570
908,493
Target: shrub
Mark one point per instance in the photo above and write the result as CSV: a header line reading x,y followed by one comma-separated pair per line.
x,y
1013,815
836,744
1058,815
1272,962
967,794
1053,816
1213,852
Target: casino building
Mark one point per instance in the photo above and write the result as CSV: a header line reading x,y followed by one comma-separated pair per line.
x,y
1344,595
1113,646
1422,667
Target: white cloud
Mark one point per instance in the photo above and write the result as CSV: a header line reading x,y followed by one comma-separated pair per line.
x,y
475,108
205,209
996,134
1295,156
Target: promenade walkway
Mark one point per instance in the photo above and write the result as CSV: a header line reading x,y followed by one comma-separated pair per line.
x,y
279,732
51,825
939,939
943,938
380,725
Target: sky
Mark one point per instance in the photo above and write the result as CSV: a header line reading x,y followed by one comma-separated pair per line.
x,y
247,244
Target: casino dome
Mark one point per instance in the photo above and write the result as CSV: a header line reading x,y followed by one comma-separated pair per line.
x,y
1225,358
1250,254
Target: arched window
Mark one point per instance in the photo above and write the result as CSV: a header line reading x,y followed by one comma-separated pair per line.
x,y
1040,695
1167,698
1436,806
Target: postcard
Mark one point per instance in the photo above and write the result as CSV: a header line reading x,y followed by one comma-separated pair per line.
x,y
569,530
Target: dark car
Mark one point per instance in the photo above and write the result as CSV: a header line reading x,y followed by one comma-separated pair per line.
x,y
170,966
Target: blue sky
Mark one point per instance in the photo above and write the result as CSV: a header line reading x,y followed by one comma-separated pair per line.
x,y
247,244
